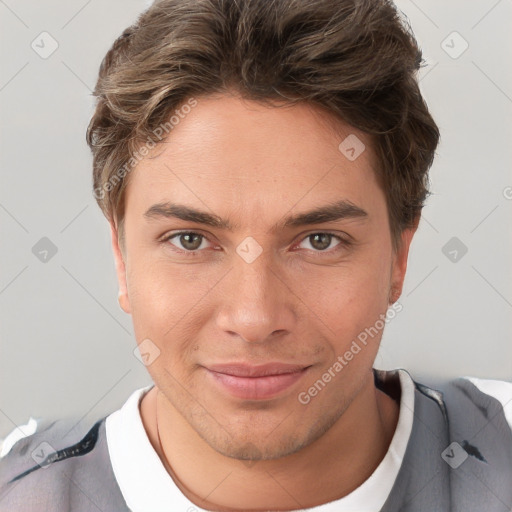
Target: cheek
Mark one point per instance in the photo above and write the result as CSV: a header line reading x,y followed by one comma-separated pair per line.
x,y
164,313
167,309
347,300
168,305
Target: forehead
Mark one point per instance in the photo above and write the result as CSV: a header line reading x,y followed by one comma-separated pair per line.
x,y
228,152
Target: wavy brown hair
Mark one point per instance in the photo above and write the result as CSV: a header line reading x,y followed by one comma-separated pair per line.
x,y
356,58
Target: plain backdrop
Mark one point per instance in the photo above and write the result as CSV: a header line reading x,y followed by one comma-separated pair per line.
x,y
66,347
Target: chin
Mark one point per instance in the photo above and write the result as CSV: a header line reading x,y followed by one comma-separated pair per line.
x,y
260,449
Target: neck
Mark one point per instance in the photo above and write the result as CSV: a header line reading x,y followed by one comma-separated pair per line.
x,y
315,475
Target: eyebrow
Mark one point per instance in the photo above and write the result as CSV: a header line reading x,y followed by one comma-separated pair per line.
x,y
339,210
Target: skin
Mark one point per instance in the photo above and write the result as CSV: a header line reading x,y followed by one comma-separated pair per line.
x,y
295,303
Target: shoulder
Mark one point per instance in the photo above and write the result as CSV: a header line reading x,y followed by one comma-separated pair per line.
x,y
478,418
464,398
46,469
499,390
482,397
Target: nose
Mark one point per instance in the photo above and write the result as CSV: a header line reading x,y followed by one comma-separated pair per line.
x,y
256,303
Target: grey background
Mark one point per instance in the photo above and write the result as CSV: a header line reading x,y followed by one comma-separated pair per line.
x,y
66,348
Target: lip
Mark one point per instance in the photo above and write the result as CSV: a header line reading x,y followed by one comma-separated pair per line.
x,y
256,382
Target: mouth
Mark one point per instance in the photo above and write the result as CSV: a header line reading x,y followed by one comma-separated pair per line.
x,y
256,382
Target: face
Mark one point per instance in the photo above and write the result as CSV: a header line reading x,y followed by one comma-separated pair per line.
x,y
254,280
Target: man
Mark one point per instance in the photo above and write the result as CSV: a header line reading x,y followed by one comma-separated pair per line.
x,y
263,166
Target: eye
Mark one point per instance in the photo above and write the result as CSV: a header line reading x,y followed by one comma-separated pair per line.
x,y
189,241
320,242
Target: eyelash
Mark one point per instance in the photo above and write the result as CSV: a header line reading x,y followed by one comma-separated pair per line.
x,y
344,243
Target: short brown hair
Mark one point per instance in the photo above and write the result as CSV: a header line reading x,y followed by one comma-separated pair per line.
x,y
356,58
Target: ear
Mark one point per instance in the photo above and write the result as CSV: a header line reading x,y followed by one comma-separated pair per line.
x,y
400,263
119,258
